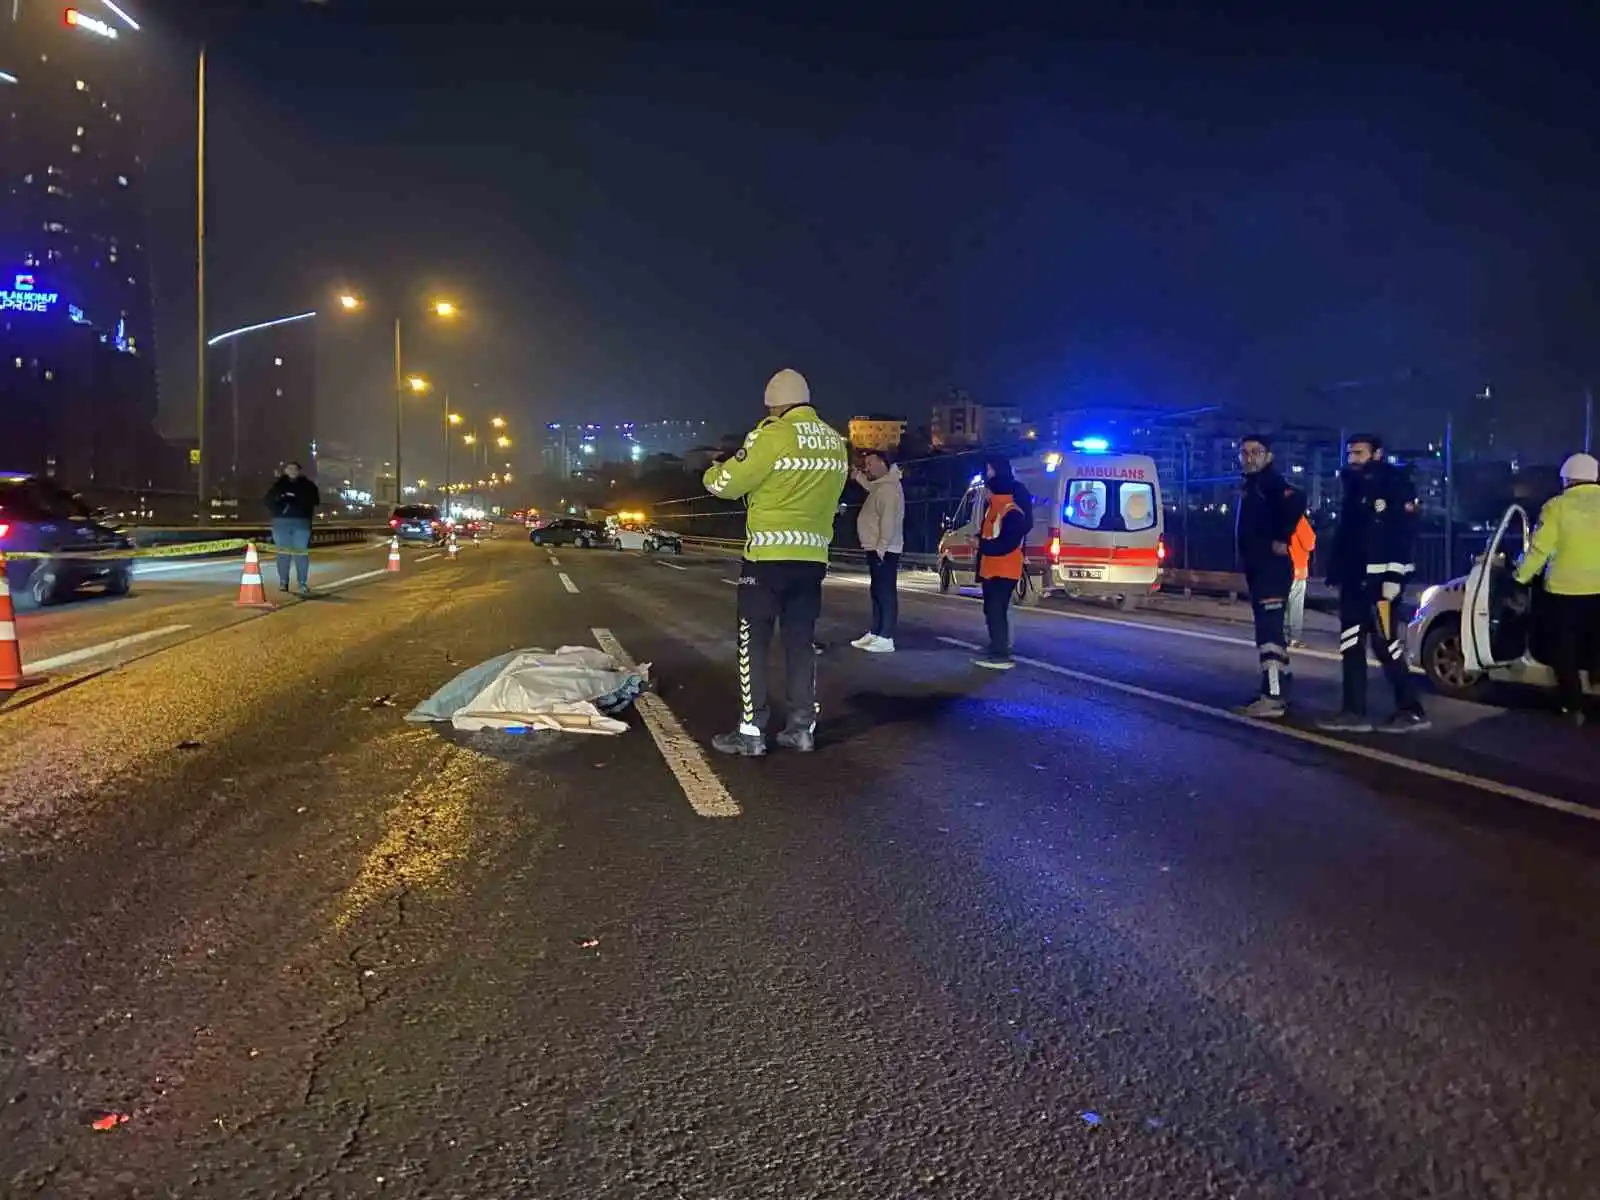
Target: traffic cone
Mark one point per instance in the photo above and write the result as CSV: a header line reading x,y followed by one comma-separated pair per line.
x,y
251,593
452,547
394,554
11,676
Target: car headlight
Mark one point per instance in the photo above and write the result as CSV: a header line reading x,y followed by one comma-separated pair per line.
x,y
1428,593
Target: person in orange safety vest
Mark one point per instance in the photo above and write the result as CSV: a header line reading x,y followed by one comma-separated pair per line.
x,y
1301,545
1006,520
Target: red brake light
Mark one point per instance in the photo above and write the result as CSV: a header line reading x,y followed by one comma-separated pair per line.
x,y
4,529
1161,550
394,522
1055,543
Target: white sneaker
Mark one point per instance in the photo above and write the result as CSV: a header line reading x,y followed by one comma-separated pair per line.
x,y
880,645
865,640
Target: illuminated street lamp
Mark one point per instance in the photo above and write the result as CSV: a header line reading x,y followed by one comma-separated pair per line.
x,y
351,302
417,384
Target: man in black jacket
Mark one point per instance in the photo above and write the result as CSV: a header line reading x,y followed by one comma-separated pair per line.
x,y
1370,564
1269,510
292,500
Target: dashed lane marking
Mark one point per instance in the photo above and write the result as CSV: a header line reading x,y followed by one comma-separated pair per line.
x,y
674,566
687,762
77,656
554,561
1509,790
349,579
429,557
566,582
735,582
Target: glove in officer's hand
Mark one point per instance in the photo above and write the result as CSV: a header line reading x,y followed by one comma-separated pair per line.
x,y
1391,590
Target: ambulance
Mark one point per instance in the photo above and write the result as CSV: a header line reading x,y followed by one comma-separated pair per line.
x,y
1097,527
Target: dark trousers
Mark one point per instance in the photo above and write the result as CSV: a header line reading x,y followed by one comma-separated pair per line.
x,y
773,596
1269,600
997,595
1363,621
1574,643
885,597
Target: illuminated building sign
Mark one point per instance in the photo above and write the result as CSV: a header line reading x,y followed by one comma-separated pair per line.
x,y
25,297
80,20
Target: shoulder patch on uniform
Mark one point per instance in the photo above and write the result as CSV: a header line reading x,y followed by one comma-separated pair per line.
x,y
1379,504
741,454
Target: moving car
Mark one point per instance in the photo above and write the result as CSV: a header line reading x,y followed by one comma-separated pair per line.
x,y
39,516
570,531
418,523
1485,627
1097,527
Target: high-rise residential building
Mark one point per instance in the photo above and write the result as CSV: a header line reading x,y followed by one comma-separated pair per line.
x,y
77,380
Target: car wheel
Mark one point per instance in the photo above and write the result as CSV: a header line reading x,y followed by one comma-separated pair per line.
x,y
582,543
947,578
1445,662
537,539
649,547
44,586
119,582
677,547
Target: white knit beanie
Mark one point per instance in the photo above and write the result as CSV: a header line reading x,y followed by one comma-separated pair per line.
x,y
787,388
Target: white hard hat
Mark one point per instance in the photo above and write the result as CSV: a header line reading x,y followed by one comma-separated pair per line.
x,y
1581,468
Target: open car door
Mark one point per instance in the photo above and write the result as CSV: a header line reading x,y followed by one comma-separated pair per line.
x,y
1490,634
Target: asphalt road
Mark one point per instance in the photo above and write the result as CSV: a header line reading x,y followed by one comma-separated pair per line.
x,y
1067,932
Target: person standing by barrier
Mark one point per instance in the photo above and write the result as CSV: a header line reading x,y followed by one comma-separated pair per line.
x,y
1301,546
881,526
1566,546
1370,563
1268,515
791,469
293,500
1007,517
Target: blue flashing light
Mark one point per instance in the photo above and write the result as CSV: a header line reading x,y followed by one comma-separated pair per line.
x,y
1092,445
976,480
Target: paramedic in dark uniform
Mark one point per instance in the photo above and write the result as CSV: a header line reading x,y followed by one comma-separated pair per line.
x,y
1269,511
1370,564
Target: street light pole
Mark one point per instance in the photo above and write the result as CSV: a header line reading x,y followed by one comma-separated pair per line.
x,y
200,295
446,490
399,407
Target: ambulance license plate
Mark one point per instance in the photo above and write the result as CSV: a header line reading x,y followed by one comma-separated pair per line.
x,y
1086,572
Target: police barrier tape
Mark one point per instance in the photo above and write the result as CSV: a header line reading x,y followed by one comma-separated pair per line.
x,y
179,550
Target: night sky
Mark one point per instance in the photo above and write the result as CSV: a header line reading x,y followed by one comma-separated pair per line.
x,y
646,209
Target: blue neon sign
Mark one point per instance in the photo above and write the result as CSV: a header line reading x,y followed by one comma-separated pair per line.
x,y
24,296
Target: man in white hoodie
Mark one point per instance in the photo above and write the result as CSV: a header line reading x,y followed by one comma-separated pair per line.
x,y
881,527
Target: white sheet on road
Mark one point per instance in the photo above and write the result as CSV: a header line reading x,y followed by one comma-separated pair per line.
x,y
570,689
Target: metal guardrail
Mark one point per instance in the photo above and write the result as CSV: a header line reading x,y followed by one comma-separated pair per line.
x,y
175,535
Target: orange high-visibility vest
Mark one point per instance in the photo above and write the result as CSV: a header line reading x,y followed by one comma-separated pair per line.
x,y
999,566
1300,548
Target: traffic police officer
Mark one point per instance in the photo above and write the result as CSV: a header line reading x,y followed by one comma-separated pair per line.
x,y
791,471
1370,563
1566,547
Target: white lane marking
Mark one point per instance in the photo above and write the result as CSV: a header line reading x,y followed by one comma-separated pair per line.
x,y
77,656
554,561
1509,790
1197,634
687,762
566,582
140,570
338,583
674,566
735,582
428,557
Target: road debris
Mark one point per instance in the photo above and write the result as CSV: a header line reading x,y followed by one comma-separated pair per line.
x,y
108,1120
384,701
190,744
588,943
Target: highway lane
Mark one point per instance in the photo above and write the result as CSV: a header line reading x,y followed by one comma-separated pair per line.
x,y
1020,936
170,599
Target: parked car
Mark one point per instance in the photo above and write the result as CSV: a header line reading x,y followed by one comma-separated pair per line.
x,y
1485,627
39,516
570,531
418,523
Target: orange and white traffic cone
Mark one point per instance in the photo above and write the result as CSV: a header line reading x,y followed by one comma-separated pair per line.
x,y
394,554
11,676
251,592
452,547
